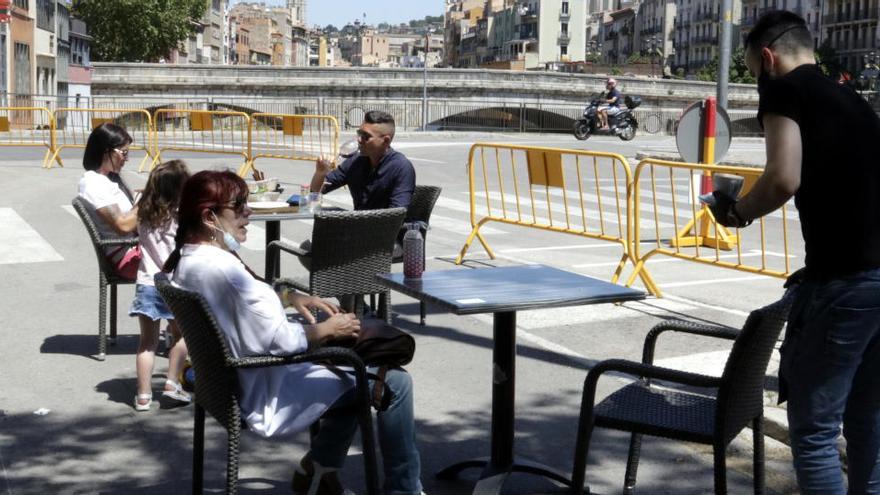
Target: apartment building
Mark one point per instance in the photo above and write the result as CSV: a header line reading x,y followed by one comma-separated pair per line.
x,y
370,49
655,21
523,34
697,32
850,28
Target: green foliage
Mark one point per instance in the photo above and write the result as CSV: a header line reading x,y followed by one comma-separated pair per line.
x,y
417,23
616,71
738,72
138,30
637,58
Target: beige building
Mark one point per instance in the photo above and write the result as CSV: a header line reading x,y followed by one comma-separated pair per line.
x,y
370,49
697,32
655,21
850,28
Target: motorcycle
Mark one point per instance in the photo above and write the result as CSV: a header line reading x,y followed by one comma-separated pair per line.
x,y
623,125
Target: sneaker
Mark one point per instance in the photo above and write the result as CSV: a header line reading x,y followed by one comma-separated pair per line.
x,y
311,478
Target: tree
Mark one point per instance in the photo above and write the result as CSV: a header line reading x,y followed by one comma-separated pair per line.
x,y
138,30
826,58
738,72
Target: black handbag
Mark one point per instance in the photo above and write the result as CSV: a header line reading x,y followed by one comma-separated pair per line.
x,y
382,346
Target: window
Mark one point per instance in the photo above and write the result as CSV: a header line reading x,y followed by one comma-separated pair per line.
x,y
564,7
563,50
22,4
46,15
564,28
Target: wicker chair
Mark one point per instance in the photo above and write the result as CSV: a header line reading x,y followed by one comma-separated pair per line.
x,y
643,409
420,208
216,385
106,271
348,249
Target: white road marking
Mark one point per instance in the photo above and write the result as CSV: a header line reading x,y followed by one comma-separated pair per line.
x,y
22,244
417,159
717,281
750,254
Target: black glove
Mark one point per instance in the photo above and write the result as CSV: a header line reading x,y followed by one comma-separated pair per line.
x,y
722,209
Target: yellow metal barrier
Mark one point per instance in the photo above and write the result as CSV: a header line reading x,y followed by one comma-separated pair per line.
x,y
28,126
665,199
585,193
292,137
73,126
201,131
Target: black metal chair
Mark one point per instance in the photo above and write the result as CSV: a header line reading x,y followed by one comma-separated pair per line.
x,y
106,271
644,409
348,249
420,208
216,384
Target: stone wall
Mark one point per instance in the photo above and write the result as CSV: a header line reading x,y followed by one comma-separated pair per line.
x,y
194,81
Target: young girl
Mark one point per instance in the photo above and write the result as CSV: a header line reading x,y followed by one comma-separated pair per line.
x,y
157,226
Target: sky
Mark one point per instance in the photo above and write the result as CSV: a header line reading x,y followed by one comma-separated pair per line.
x,y
342,12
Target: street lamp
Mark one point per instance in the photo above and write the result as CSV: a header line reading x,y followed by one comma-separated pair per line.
x,y
650,45
594,53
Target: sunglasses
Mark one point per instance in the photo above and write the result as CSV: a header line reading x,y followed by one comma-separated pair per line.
x,y
237,205
365,136
124,153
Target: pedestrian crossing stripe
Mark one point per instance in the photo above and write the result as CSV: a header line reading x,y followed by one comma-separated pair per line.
x,y
21,243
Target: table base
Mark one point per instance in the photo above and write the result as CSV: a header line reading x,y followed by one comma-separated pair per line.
x,y
493,477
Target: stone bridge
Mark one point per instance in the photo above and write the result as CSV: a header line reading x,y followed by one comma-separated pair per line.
x,y
457,99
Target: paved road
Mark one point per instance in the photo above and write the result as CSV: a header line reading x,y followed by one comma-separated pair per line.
x,y
91,441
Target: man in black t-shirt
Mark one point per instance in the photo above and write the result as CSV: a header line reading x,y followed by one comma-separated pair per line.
x,y
612,99
822,144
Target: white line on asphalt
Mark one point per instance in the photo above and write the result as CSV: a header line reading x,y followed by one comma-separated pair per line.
x,y
22,243
5,474
460,226
417,159
559,248
750,254
706,306
716,280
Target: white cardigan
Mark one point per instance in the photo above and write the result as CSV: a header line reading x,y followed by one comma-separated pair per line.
x,y
275,400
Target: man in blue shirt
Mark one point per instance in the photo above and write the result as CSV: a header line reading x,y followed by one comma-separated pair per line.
x,y
377,176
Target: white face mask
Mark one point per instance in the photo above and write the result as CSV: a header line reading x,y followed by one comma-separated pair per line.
x,y
229,240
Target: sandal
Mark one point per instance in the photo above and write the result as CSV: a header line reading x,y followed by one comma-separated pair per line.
x,y
177,393
143,397
311,478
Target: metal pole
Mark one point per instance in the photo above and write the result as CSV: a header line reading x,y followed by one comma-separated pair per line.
x,y
425,86
724,59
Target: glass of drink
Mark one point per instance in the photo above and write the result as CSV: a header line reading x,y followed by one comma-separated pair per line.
x,y
347,150
315,202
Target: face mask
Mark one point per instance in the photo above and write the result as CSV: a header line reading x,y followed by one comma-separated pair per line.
x,y
763,81
231,242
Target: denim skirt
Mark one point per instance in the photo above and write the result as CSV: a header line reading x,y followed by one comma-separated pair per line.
x,y
149,303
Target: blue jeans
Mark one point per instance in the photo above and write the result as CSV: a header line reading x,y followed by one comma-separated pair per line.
x,y
397,436
831,369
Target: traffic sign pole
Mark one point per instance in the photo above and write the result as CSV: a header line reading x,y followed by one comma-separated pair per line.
x,y
689,235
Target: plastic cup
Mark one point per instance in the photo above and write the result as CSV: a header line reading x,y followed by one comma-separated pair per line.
x,y
729,184
315,202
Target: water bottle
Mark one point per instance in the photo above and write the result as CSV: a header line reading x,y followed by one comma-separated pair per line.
x,y
413,251
304,191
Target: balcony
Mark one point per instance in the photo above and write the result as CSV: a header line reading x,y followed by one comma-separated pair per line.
x,y
527,14
564,38
564,15
856,16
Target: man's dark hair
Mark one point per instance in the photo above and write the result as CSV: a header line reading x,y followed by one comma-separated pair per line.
x,y
380,117
781,30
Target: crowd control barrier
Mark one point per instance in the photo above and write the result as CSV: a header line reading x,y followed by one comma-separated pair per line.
x,y
73,126
665,201
201,131
292,137
28,126
584,193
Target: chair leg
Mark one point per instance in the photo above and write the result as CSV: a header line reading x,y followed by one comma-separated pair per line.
x,y
422,313
112,314
632,463
368,441
384,312
102,318
232,461
758,459
578,475
719,450
373,304
198,449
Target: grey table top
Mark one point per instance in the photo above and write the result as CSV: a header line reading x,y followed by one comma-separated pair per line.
x,y
510,288
257,216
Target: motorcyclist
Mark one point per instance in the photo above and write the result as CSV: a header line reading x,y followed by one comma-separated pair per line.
x,y
612,99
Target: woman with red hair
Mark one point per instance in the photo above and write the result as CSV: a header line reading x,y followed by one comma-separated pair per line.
x,y
212,223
